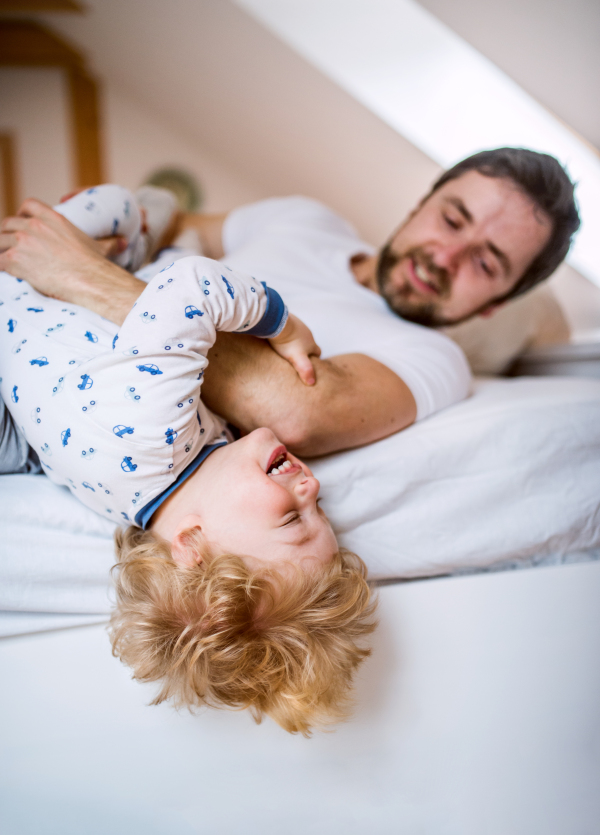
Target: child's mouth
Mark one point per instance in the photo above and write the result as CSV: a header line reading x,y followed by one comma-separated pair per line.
x,y
279,463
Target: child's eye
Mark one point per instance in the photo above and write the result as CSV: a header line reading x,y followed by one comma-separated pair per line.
x,y
292,520
450,222
487,270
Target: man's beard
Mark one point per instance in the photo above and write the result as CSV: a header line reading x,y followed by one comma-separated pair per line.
x,y
420,310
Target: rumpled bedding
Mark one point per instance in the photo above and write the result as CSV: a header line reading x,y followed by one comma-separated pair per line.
x,y
509,477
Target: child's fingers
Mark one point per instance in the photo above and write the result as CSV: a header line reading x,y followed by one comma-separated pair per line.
x,y
304,368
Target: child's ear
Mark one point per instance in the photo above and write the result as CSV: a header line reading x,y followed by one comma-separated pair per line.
x,y
185,547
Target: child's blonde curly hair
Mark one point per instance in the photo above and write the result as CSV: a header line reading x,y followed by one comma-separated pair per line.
x,y
285,644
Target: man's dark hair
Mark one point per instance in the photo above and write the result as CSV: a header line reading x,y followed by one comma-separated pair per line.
x,y
543,179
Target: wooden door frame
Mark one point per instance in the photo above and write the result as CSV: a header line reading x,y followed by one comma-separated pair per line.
x,y
30,44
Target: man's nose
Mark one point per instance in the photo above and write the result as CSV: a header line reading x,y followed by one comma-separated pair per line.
x,y
449,256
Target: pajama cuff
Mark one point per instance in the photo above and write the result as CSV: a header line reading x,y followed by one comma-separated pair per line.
x,y
276,315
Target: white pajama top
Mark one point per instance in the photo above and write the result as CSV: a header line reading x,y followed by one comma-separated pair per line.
x,y
117,416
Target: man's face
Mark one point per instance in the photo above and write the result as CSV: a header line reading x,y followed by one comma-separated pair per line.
x,y
462,250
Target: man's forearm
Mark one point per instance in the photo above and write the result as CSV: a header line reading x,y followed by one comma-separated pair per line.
x,y
356,400
109,291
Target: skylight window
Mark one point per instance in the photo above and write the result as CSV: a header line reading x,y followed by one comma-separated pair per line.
x,y
435,89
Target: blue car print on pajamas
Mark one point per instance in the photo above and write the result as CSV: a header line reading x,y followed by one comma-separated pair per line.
x,y
13,395
89,486
127,465
91,337
229,287
150,368
130,393
191,311
171,435
64,436
86,382
39,361
36,309
120,430
11,325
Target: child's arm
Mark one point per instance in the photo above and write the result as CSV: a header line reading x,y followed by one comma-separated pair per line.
x,y
183,307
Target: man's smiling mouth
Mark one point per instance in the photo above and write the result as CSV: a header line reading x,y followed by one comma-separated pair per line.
x,y
421,278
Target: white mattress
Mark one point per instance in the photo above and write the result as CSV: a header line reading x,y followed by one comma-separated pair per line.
x,y
509,477
476,715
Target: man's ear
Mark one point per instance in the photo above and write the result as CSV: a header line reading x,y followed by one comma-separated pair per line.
x,y
489,311
187,543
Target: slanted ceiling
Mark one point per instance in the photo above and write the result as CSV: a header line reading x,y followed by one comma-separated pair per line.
x,y
220,78
551,48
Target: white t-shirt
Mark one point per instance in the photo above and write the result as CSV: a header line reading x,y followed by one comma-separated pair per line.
x,y
302,249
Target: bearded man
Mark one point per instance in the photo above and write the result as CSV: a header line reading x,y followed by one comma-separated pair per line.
x,y
491,228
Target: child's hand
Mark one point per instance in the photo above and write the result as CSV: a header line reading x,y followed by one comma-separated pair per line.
x,y
296,344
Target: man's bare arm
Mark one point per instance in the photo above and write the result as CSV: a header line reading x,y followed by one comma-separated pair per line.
x,y
59,260
356,400
210,232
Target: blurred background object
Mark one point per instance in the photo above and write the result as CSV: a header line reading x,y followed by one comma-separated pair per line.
x,y
183,185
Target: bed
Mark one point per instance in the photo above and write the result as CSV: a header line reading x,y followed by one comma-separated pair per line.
x,y
508,478
477,712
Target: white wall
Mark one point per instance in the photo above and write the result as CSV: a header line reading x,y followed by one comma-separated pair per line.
x,y
33,106
238,92
137,142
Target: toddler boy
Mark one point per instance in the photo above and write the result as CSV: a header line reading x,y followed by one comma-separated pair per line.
x,y
231,588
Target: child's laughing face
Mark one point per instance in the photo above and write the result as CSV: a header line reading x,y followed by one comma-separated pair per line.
x,y
255,499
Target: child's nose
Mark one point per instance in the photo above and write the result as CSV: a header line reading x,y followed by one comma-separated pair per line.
x,y
307,487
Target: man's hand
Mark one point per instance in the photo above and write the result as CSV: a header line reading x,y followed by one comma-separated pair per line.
x,y
39,232
296,344
59,260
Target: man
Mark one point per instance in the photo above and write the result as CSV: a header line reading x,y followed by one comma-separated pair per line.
x,y
490,229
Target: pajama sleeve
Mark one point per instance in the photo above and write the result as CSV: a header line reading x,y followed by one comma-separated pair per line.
x,y
158,357
195,297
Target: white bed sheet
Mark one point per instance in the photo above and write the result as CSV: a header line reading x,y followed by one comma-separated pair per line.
x,y
509,477
477,713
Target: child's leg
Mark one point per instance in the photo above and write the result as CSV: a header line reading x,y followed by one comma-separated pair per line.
x,y
107,210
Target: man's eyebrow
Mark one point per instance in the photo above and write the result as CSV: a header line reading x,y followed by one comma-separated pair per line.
x,y
458,204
